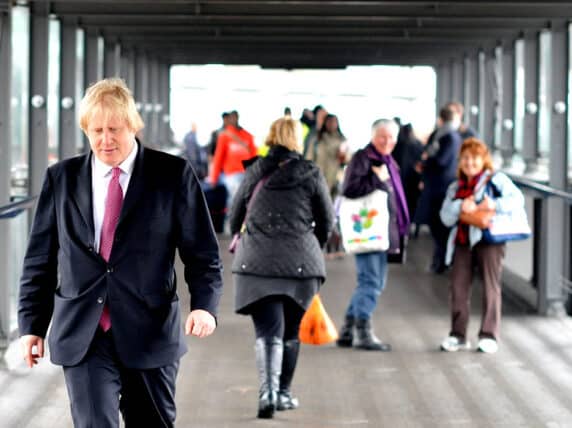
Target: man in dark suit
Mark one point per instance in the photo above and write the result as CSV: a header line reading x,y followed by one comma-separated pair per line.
x,y
100,267
439,170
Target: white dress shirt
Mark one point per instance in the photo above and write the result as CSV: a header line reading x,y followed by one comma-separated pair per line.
x,y
100,178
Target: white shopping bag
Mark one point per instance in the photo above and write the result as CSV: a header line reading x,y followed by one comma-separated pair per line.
x,y
364,223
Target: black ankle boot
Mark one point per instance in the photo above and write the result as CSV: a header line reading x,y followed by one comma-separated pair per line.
x,y
346,333
365,338
269,362
289,360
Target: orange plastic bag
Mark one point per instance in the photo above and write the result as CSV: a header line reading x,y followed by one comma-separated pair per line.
x,y
316,327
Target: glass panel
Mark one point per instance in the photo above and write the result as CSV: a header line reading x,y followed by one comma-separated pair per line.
x,y
20,97
53,90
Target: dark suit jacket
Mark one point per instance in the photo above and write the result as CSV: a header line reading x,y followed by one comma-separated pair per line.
x,y
65,280
440,169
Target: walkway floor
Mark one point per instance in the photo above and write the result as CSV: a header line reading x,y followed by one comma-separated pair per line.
x,y
527,384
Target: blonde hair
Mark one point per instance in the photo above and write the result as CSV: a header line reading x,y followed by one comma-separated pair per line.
x,y
475,147
285,132
113,96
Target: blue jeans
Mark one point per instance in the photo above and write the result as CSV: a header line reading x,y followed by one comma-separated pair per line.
x,y
371,277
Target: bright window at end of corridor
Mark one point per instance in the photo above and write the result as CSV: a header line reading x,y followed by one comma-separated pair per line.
x,y
357,95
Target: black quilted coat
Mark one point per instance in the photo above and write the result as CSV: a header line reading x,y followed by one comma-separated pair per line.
x,y
289,220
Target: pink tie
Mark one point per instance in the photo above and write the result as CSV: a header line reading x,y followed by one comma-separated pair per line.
x,y
110,218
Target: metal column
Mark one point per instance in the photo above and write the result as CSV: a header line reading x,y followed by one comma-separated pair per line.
x,y
164,100
507,103
38,125
68,81
471,94
530,126
93,58
457,81
154,101
112,59
487,100
128,67
141,91
498,96
444,76
552,257
5,165
481,93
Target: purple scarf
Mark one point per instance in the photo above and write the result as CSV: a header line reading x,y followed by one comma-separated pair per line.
x,y
402,211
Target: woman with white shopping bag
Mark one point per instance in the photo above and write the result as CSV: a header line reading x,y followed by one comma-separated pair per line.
x,y
479,192
372,230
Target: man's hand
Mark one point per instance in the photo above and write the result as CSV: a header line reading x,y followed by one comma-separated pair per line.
x,y
200,323
28,343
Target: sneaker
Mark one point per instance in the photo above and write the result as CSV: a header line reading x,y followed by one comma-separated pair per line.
x,y
487,345
454,344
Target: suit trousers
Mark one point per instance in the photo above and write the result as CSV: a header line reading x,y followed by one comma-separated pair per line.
x,y
488,259
100,386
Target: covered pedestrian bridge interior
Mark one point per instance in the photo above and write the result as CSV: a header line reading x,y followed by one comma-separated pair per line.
x,y
508,62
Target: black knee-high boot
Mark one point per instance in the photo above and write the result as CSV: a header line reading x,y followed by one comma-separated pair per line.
x,y
269,362
289,360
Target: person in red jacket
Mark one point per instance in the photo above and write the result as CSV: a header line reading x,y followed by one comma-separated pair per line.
x,y
234,145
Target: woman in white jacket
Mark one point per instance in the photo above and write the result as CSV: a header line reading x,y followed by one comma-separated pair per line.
x,y
478,187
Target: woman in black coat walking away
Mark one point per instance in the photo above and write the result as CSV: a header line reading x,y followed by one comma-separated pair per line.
x,y
284,210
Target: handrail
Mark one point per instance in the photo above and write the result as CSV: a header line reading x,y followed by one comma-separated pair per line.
x,y
544,190
15,208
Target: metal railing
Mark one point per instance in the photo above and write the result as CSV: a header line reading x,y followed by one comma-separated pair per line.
x,y
542,190
15,208
7,213
541,193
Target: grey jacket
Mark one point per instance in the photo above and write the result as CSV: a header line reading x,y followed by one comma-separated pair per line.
x,y
287,223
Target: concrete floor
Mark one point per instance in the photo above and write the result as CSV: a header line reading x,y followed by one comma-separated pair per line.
x,y
528,383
